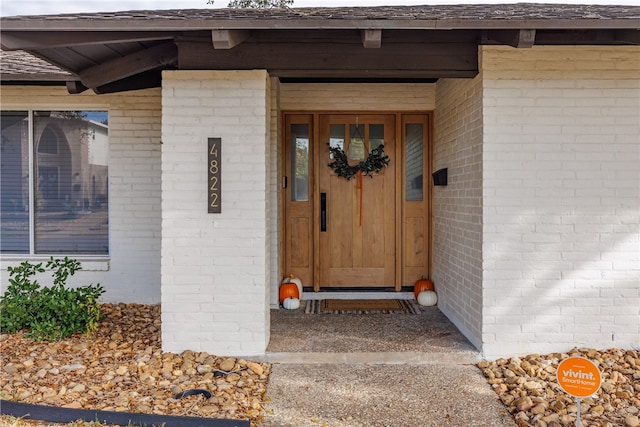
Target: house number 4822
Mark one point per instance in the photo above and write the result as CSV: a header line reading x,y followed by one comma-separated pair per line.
x,y
214,176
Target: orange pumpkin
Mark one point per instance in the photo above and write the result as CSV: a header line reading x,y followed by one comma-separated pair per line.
x,y
294,279
288,290
422,284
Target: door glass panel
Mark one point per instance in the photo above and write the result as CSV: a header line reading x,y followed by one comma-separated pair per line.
x,y
414,161
336,138
356,142
300,162
376,136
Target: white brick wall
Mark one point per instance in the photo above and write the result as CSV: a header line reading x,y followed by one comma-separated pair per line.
x,y
131,273
457,208
561,198
216,267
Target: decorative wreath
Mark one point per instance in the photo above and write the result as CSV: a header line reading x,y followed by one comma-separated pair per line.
x,y
376,161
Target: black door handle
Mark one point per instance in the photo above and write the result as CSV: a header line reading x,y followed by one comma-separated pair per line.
x,y
323,211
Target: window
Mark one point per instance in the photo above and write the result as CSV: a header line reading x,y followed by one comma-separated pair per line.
x,y
54,182
414,137
300,162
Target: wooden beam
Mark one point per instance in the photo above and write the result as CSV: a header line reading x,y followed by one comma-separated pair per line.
x,y
515,38
147,80
75,87
227,39
25,40
526,38
340,76
627,36
372,39
432,60
129,65
588,37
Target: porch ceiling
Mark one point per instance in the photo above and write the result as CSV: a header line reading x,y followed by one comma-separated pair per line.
x,y
110,52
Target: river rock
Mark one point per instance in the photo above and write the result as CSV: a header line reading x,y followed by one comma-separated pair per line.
x,y
228,364
528,387
256,368
524,403
631,421
204,369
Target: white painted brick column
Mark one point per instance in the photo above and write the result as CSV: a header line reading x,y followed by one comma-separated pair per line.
x,y
215,267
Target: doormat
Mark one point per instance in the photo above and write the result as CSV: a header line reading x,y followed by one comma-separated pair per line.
x,y
362,306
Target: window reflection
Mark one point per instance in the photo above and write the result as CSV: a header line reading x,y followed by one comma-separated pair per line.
x,y
336,137
14,182
414,165
300,162
356,143
71,181
376,136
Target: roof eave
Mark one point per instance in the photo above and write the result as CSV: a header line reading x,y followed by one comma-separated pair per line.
x,y
165,25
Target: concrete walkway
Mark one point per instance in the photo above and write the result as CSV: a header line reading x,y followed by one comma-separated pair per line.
x,y
375,370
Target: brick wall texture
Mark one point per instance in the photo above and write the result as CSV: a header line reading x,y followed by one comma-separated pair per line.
x,y
215,267
561,198
457,208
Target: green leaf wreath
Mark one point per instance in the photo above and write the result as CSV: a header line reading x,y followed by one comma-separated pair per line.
x,y
375,162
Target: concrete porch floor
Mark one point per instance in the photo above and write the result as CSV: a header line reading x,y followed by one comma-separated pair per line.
x,y
349,370
424,338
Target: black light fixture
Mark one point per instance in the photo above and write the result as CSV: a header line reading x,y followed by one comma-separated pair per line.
x,y
440,177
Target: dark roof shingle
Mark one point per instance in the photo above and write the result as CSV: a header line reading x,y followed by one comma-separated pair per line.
x,y
24,66
446,14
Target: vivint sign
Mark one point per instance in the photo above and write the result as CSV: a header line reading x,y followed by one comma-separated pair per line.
x,y
578,377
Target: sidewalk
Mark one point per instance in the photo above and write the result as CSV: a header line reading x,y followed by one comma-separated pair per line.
x,y
375,370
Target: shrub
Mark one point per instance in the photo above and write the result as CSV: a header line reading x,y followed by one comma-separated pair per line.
x,y
49,313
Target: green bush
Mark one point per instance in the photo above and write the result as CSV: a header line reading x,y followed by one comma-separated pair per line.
x,y
49,313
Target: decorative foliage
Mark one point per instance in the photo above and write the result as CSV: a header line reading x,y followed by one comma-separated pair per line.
x,y
375,162
49,313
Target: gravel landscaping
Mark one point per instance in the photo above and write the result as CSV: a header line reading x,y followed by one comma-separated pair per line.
x,y
529,389
122,368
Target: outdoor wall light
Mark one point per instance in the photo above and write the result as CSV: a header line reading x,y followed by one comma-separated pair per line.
x,y
440,177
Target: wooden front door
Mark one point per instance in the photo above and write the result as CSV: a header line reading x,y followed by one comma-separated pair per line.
x,y
352,233
357,231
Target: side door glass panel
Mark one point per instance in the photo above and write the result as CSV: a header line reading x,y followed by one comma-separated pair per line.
x,y
300,162
414,152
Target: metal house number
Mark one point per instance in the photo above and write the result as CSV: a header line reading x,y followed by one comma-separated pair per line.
x,y
214,181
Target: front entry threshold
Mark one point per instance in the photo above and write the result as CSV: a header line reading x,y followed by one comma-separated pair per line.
x,y
310,295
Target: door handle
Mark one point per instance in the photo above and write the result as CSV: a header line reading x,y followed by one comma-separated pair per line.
x,y
323,211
